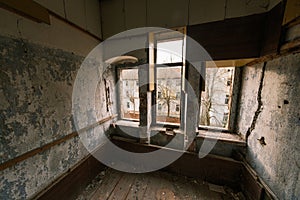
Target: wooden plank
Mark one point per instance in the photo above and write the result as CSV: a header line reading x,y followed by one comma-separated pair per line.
x,y
167,190
228,63
109,183
27,8
138,187
123,187
154,184
183,189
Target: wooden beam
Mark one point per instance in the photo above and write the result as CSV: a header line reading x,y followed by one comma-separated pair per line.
x,y
27,8
228,63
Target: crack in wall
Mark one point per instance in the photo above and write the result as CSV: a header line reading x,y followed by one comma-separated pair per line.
x,y
259,101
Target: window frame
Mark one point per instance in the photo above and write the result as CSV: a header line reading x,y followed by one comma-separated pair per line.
x,y
233,100
161,65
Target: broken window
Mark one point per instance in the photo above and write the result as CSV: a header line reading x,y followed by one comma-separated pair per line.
x,y
129,94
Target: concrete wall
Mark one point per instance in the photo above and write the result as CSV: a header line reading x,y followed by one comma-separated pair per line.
x,y
118,15
277,120
38,67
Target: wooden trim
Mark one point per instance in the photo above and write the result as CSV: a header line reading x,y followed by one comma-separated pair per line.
x,y
290,46
228,63
38,150
27,8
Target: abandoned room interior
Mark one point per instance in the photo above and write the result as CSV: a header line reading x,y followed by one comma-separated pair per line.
x,y
150,99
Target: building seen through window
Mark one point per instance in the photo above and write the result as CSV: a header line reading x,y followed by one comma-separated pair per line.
x,y
129,94
168,94
216,99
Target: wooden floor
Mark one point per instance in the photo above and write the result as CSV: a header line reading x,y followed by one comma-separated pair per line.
x,y
111,184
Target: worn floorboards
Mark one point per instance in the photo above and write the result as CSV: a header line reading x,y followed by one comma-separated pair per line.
x,y
112,184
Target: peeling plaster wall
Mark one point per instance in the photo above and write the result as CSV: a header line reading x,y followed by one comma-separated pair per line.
x,y
36,84
278,121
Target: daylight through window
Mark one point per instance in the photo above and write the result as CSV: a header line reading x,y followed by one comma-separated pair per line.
x,y
129,94
216,99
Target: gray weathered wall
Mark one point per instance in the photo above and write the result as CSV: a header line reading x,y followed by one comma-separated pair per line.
x,y
278,122
36,84
38,66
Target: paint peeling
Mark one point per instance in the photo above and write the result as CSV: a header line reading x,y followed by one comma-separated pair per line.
x,y
36,85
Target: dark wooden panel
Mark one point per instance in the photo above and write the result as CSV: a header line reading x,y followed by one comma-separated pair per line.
x,y
214,169
230,39
250,186
273,30
244,37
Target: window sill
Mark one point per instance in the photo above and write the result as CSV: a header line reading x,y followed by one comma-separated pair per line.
x,y
130,123
224,137
213,134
